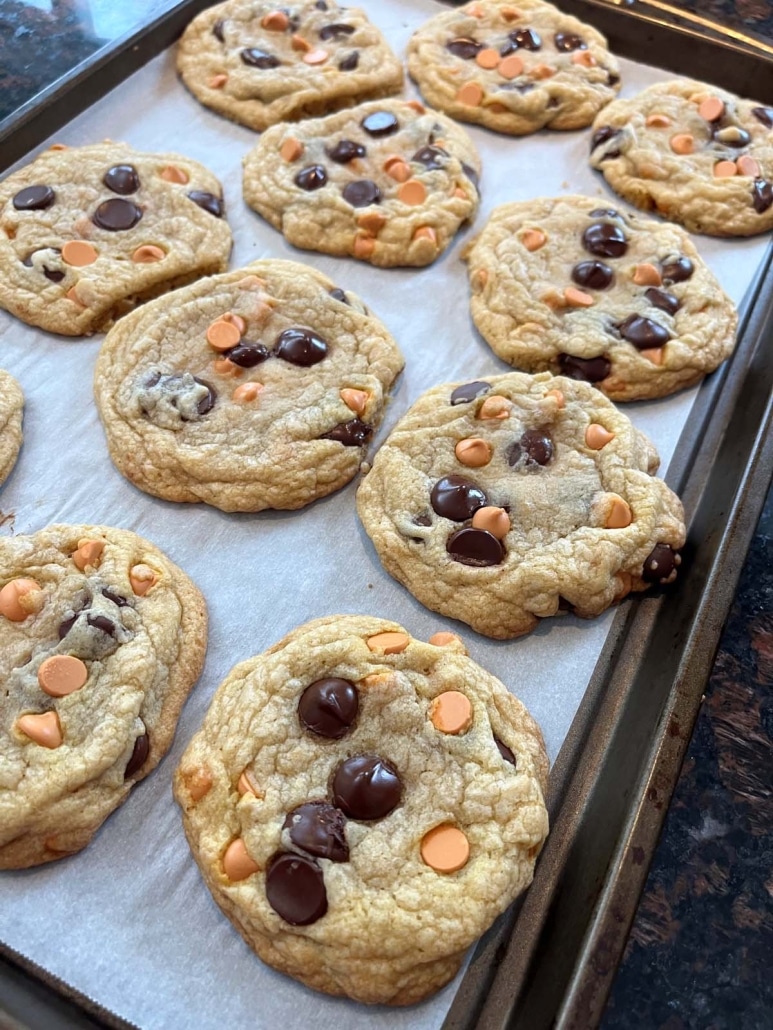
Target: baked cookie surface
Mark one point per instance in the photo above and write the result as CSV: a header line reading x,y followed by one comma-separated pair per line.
x,y
572,286
86,233
11,407
101,639
388,182
514,68
259,64
255,389
362,805
504,501
693,153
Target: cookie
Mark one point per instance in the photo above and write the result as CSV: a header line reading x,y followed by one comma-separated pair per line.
x,y
255,389
388,182
514,68
101,639
260,64
362,805
505,501
693,153
11,407
86,233
564,285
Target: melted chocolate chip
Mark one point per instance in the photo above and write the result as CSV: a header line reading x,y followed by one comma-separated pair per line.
x,y
431,157
139,755
594,274
361,193
217,30
312,177
606,132
338,294
604,212
366,787
468,392
731,136
475,547
102,622
353,433
122,179
643,333
471,174
116,215
117,599
321,5
66,625
247,355
34,198
207,402
456,498
467,49
665,301
295,889
505,751
256,58
335,31
425,519
524,39
588,370
612,78
605,240
53,275
659,564
300,347
677,271
380,123
764,115
566,41
208,201
350,62
328,707
534,448
319,829
762,195
346,150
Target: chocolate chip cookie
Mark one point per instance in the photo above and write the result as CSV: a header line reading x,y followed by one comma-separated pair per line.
x,y
388,182
564,285
514,68
362,805
260,64
11,407
504,501
255,389
101,639
86,233
693,153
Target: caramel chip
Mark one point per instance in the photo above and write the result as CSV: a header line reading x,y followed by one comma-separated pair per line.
x,y
682,143
488,57
412,192
62,674
222,335
473,452
495,406
78,253
142,578
171,173
511,67
533,239
43,729
646,275
291,149
389,643
20,598
147,254
445,849
237,864
471,94
597,436
451,712
494,520
619,515
356,400
712,108
247,392
89,552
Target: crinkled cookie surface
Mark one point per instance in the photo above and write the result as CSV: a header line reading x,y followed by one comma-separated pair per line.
x,y
504,501
260,64
101,639
387,182
514,68
694,153
362,805
255,389
11,408
575,287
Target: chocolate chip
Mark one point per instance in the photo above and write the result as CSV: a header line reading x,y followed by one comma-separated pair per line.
x,y
456,498
665,301
523,39
588,370
467,49
602,135
475,547
566,41
321,5
53,275
594,274
217,30
534,448
319,829
366,787
117,599
122,179
520,87
605,240
295,889
471,174
425,519
431,157
102,622
469,391
256,58
361,193
338,294
643,333
335,31
564,605
247,355
762,195
505,751
328,707
116,215
380,123
300,347
677,271
659,564
208,201
312,177
139,755
66,625
604,212
764,115
346,150
732,136
207,402
353,433
34,198
612,78
350,62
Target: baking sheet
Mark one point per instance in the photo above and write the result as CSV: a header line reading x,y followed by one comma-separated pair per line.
x,y
129,922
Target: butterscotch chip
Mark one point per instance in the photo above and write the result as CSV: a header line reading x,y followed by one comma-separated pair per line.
x,y
470,94
584,58
724,169
443,639
19,599
451,712
291,149
657,121
364,245
746,165
647,274
247,392
142,578
619,515
173,173
510,68
577,298
542,71
493,520
199,783
222,335
389,643
473,452
88,552
445,849
62,674
412,192
275,21
247,786
533,239
488,58
237,864
44,729
79,253
712,108
597,436
357,400
495,407
217,81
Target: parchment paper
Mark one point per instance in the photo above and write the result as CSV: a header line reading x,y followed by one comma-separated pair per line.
x,y
129,921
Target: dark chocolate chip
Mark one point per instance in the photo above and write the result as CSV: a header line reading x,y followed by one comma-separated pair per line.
x,y
117,599
102,622
643,333
762,195
731,136
564,605
139,755
206,403
505,751
665,301
321,5
66,625
346,150
361,193
247,355
534,448
319,829
34,198
380,123
606,132
353,433
475,547
677,271
335,31
431,157
659,564
520,87
116,215
295,889
122,179
525,39
467,49
338,294
312,177
605,240
566,41
471,174
594,274
217,30
604,212
469,391
456,498
53,275
764,115
328,707
350,62
300,347
366,787
612,78
425,519
208,201
589,370
256,58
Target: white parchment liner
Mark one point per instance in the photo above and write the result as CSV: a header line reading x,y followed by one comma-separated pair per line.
x,y
129,921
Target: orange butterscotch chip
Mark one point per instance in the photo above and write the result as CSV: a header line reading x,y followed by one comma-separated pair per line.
x,y
371,221
619,515
398,169
291,149
222,335
79,253
712,108
318,56
682,143
217,81
451,712
557,396
542,71
412,192
493,520
62,674
657,121
495,407
237,864
198,781
473,452
724,169
44,729
653,354
488,57
576,298
58,146
511,67
88,552
443,639
474,10
415,106
389,643
20,598
171,173
251,282
142,578
597,436
459,192
425,232
246,785
584,58
355,400
275,21
746,165
378,679
364,245
533,239
471,94
299,43
510,13
224,367
147,254
247,392
445,849
73,295
646,274
236,320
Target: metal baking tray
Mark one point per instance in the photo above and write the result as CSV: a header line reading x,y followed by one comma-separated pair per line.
x,y
550,960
